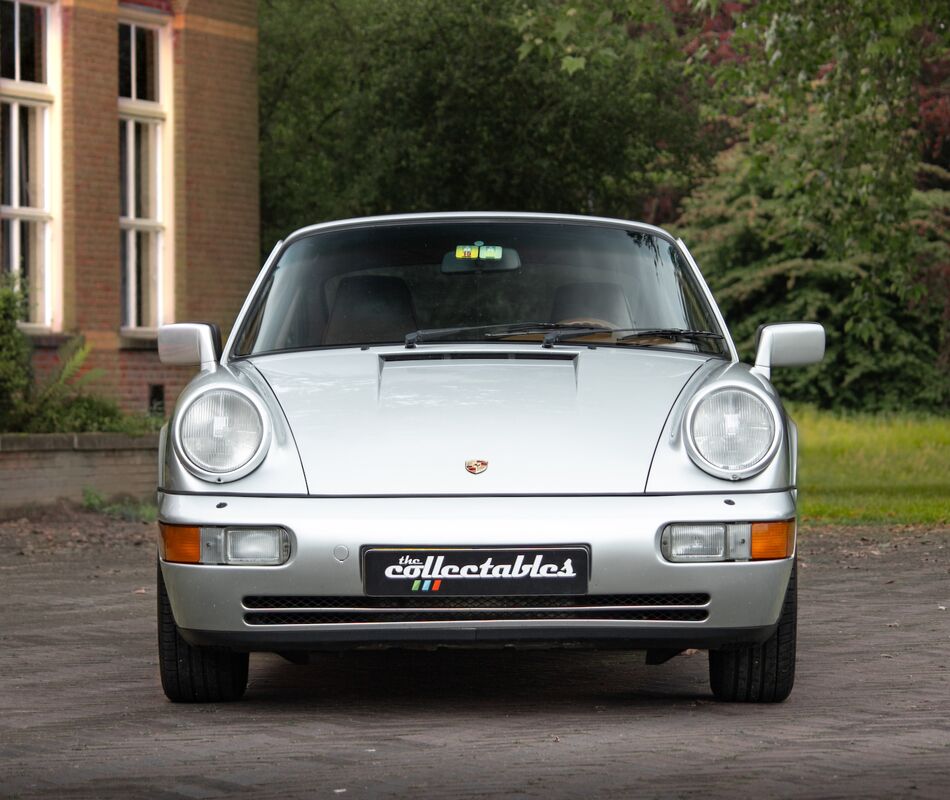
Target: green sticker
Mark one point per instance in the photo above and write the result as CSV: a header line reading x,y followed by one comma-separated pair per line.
x,y
490,252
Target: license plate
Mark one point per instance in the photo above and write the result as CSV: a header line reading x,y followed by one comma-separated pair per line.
x,y
473,571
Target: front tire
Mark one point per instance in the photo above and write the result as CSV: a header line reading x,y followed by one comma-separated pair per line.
x,y
195,674
760,673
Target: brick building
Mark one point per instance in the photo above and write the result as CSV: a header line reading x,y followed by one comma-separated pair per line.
x,y
129,175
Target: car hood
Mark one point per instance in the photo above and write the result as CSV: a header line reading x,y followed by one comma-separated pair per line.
x,y
405,422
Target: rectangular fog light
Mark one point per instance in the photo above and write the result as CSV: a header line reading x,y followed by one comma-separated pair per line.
x,y
685,542
265,546
245,546
708,541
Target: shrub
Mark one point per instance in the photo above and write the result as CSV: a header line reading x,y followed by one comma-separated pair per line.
x,y
15,375
59,404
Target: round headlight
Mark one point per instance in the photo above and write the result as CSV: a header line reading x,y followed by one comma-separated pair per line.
x,y
222,434
731,432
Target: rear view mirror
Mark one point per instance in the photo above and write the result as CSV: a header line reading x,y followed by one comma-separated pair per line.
x,y
789,344
480,257
189,343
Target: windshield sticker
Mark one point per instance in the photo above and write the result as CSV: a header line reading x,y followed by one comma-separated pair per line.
x,y
487,252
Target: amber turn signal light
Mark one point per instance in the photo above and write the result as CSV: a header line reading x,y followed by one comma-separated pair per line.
x,y
773,539
180,543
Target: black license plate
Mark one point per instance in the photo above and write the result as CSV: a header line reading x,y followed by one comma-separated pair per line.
x,y
474,571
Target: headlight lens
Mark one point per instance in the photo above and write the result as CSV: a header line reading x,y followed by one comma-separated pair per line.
x,y
732,433
221,431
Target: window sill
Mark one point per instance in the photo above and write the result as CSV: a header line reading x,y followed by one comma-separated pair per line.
x,y
42,337
138,338
34,328
138,333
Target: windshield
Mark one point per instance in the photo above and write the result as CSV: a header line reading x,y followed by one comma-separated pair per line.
x,y
382,283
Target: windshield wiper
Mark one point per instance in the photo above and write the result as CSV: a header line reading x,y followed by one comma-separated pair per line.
x,y
670,333
490,331
555,332
681,334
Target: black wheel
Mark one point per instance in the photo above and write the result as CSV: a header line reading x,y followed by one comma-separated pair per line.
x,y
760,673
195,674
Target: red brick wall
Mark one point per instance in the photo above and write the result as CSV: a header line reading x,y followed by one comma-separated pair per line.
x,y
217,157
91,180
216,182
39,469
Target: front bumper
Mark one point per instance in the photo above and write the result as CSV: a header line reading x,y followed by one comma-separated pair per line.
x,y
707,605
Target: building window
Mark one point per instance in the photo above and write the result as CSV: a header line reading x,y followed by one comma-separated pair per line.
x,y
143,175
26,106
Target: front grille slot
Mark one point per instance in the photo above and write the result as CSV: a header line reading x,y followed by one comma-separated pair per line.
x,y
330,610
484,601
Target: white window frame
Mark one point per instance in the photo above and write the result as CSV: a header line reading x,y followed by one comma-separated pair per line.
x,y
159,115
44,96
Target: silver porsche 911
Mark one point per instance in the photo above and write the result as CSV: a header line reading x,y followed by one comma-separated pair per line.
x,y
479,429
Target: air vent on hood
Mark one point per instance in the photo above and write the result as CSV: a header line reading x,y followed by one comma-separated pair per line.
x,y
476,356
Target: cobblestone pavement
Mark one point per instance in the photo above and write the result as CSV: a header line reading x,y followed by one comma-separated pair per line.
x,y
82,713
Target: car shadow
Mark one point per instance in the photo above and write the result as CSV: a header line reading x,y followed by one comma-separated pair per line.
x,y
486,680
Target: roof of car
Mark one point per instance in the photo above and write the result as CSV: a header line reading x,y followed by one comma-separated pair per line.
x,y
521,216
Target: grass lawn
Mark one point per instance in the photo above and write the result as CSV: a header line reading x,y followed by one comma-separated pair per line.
x,y
860,468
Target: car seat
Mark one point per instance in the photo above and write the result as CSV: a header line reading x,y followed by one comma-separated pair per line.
x,y
370,309
597,302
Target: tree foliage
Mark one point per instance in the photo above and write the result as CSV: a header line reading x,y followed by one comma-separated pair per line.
x,y
831,118
59,403
15,373
813,214
426,105
770,256
811,211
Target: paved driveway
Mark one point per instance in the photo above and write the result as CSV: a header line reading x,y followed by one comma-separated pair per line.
x,y
82,713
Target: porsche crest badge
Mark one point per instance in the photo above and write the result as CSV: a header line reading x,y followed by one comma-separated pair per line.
x,y
476,466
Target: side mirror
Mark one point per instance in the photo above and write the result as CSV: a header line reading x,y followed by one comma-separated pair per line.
x,y
190,343
789,344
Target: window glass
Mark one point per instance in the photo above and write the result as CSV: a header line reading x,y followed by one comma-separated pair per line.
x,y
375,284
125,60
146,67
31,270
124,269
25,215
31,161
138,62
123,169
138,260
140,137
145,167
146,296
32,66
6,251
29,34
6,159
7,40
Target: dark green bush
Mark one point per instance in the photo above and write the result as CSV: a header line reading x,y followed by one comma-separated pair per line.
x,y
59,404
15,376
770,253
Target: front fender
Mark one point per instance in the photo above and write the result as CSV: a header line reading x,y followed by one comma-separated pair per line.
x,y
280,473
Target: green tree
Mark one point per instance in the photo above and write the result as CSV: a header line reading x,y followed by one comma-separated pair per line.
x,y
769,255
427,105
811,214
